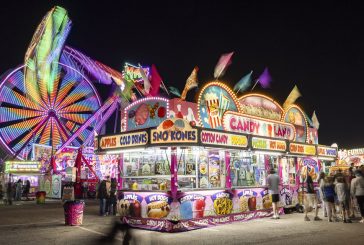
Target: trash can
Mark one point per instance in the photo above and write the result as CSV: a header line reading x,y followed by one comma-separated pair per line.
x,y
40,197
73,212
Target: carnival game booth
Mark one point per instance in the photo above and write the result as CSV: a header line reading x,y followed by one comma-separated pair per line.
x,y
183,172
24,170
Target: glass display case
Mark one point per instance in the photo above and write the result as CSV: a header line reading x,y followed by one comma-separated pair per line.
x,y
247,169
147,169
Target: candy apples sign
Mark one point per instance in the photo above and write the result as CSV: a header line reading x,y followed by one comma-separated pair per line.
x,y
124,140
237,122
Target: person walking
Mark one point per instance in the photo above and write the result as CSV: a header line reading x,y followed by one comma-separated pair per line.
x,y
112,199
310,199
27,189
273,188
348,180
328,191
357,191
18,189
102,195
9,193
320,181
108,187
84,190
343,196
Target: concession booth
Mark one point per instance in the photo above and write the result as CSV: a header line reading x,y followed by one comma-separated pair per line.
x,y
186,166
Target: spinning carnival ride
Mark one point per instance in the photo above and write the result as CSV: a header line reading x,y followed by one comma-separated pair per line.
x,y
50,100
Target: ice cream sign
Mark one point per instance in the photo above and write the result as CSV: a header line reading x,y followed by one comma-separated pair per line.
x,y
302,149
241,123
326,151
268,144
223,139
124,140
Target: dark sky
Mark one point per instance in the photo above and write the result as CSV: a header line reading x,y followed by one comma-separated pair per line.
x,y
318,46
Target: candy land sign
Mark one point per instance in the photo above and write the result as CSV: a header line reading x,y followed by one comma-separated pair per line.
x,y
241,123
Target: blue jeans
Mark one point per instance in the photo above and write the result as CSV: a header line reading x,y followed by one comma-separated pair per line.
x,y
102,206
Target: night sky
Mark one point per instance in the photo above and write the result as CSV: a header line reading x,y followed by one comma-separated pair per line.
x,y
317,46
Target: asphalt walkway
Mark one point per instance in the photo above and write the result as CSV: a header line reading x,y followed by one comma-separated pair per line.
x,y
28,223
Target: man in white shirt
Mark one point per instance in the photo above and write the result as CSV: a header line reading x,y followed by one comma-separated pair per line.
x,y
273,188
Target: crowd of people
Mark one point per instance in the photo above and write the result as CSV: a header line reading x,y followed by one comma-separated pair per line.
x,y
14,191
107,194
339,194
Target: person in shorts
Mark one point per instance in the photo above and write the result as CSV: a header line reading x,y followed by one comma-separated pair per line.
x,y
273,188
310,199
343,196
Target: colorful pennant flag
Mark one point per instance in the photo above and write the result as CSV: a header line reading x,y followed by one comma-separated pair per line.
x,y
244,83
265,78
224,62
190,83
292,97
315,121
155,81
175,91
145,80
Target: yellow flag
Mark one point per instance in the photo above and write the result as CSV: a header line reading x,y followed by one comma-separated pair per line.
x,y
190,83
292,97
315,121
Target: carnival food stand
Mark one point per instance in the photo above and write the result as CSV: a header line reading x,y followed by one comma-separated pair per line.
x,y
24,170
183,172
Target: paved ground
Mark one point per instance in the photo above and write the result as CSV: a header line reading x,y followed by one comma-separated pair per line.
x,y
28,223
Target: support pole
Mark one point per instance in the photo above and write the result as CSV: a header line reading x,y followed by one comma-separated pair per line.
x,y
227,166
174,183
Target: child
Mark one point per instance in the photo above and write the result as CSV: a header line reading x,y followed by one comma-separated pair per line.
x,y
343,196
328,191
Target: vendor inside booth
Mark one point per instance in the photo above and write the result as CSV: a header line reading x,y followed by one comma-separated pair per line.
x,y
180,173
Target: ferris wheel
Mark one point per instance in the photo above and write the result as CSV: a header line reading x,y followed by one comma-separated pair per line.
x,y
34,115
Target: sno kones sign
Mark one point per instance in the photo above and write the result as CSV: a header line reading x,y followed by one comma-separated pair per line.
x,y
174,130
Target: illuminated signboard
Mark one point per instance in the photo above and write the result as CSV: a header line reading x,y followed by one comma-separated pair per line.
x,y
237,122
302,149
261,106
354,152
148,112
173,131
22,167
223,139
132,73
124,140
268,144
326,151
164,137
